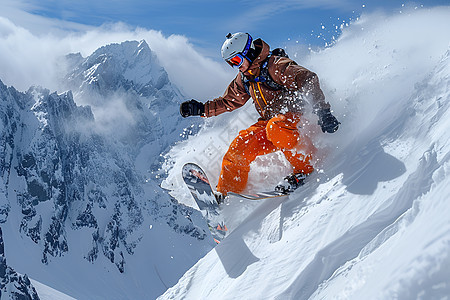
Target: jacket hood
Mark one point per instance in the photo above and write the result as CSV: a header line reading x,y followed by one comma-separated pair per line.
x,y
264,51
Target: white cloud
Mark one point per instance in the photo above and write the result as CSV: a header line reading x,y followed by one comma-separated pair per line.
x,y
266,9
29,52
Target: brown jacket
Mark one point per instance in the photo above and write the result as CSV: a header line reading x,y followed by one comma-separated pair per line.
x,y
269,102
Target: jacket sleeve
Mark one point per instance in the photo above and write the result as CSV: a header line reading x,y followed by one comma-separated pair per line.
x,y
294,77
234,97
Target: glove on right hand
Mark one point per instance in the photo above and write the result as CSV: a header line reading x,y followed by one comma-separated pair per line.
x,y
192,108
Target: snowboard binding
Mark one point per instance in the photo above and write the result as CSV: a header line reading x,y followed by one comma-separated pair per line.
x,y
290,183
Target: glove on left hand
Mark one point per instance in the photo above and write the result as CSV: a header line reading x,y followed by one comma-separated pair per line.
x,y
327,121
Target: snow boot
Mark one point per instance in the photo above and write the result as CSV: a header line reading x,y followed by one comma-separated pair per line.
x,y
220,198
290,183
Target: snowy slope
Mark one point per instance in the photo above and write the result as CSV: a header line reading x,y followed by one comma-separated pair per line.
x,y
13,285
48,293
373,223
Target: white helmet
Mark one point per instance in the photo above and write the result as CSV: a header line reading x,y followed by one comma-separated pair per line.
x,y
237,43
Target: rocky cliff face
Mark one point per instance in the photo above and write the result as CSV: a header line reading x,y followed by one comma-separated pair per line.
x,y
62,171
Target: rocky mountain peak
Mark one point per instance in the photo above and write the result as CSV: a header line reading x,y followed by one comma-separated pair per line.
x,y
130,65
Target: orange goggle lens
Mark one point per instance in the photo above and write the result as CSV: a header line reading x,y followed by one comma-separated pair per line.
x,y
236,61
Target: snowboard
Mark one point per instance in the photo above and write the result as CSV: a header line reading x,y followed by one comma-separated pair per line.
x,y
202,192
259,195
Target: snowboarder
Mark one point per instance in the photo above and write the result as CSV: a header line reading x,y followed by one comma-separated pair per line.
x,y
272,80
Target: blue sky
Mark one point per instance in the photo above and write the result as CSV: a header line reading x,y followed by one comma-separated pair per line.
x,y
205,23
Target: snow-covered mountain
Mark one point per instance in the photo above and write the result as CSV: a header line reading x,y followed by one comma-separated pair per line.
x,y
128,66
373,222
78,195
130,94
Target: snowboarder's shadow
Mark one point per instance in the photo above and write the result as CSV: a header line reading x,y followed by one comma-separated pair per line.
x,y
368,167
235,256
233,251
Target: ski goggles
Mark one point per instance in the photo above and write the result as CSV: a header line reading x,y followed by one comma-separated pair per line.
x,y
236,61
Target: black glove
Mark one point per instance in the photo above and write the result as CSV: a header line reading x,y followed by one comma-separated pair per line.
x,y
327,121
192,108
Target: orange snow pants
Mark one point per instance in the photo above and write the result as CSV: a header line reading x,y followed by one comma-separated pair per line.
x,y
264,137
